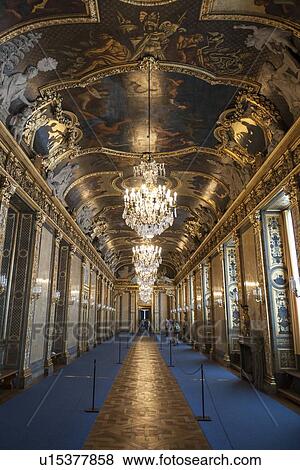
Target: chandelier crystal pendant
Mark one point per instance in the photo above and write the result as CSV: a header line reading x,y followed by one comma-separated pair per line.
x,y
145,293
150,209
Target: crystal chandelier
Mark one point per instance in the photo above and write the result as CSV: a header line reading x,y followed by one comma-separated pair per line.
x,y
146,259
150,209
146,256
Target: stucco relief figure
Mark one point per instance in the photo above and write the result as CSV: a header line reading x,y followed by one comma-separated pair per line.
x,y
281,81
61,180
13,87
18,122
99,229
277,135
274,40
84,218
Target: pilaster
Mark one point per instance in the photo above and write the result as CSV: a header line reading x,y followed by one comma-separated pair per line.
x,y
51,314
7,190
25,376
226,357
256,222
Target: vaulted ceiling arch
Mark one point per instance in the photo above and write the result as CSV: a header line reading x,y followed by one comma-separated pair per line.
x,y
223,90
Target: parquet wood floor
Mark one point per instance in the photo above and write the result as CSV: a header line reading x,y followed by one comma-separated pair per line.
x,y
145,408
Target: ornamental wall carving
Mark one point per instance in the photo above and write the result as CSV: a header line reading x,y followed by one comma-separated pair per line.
x,y
39,196
264,185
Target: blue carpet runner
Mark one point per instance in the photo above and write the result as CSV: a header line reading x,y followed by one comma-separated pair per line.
x,y
242,417
50,415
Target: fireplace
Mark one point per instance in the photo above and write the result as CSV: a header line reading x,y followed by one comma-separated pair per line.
x,y
252,359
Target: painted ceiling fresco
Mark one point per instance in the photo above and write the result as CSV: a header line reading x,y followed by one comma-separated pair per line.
x,y
73,92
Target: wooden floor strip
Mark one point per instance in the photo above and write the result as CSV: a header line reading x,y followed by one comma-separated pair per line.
x,y
145,408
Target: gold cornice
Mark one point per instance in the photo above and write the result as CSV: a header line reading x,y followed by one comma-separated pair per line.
x,y
270,167
92,16
191,70
268,20
157,155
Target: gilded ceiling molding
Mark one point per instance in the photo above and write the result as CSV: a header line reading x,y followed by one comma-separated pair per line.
x,y
148,3
272,176
191,70
116,174
92,16
207,13
82,152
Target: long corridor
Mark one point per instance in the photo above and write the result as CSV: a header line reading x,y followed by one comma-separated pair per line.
x,y
146,408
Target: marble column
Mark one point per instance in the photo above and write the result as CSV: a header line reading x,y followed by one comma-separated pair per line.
x,y
51,314
256,221
25,375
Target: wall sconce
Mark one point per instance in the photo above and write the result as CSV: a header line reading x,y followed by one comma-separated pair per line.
x,y
56,297
36,292
3,283
99,306
257,293
295,286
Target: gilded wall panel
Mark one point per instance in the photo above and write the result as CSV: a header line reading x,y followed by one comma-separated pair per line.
x,y
92,316
250,276
277,280
74,303
218,305
232,297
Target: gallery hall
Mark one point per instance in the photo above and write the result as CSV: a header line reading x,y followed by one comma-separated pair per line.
x,y
149,226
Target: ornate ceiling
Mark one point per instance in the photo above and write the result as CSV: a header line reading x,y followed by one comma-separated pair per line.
x,y
73,92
